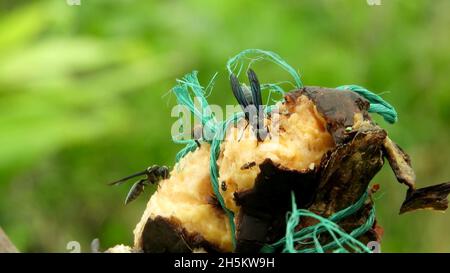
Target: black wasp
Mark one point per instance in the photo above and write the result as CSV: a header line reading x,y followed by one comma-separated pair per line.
x,y
251,102
153,175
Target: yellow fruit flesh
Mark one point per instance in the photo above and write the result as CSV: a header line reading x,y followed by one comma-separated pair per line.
x,y
300,144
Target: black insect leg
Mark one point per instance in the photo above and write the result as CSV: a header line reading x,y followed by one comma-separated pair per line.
x,y
243,132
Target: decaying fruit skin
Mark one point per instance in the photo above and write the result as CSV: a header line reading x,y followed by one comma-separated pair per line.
x,y
167,235
342,176
263,208
433,197
338,107
339,181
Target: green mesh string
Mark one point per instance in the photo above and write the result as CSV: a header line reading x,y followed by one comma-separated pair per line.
x,y
258,55
377,104
309,236
213,168
184,97
189,88
190,147
186,91
236,64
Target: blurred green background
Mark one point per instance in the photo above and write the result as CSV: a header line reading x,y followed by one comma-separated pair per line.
x,y
84,99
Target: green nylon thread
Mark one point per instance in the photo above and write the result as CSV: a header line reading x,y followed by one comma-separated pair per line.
x,y
189,87
186,90
204,114
215,151
310,235
260,54
377,104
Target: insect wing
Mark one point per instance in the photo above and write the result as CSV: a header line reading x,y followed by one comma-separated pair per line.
x,y
135,191
255,87
237,91
120,181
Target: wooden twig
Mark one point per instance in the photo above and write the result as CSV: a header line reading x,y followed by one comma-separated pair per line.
x,y
6,246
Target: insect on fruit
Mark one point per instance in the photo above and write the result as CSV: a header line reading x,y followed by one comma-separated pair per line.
x,y
251,102
248,165
153,174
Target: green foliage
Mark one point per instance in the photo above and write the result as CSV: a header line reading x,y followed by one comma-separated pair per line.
x,y
84,98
